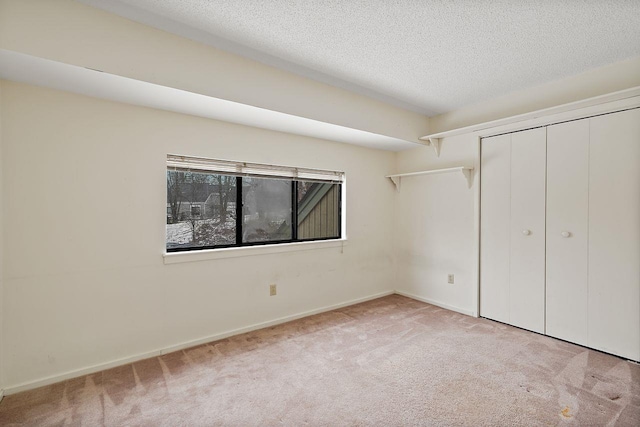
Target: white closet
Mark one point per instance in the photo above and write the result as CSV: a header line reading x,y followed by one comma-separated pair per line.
x,y
560,231
567,230
512,256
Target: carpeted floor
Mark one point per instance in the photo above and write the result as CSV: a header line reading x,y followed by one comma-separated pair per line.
x,y
388,362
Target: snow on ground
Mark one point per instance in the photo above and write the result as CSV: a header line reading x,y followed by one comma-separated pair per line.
x,y
178,233
208,232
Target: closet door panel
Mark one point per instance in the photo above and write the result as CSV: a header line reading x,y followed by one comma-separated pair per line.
x,y
527,243
567,228
494,228
614,234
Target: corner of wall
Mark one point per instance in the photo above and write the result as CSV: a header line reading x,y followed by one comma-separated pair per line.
x,y
399,162
435,226
394,226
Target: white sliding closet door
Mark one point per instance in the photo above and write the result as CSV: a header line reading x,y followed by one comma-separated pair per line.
x,y
527,267
495,229
614,234
560,231
567,228
512,261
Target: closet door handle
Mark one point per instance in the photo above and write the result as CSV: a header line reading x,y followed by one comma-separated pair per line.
x,y
526,232
565,234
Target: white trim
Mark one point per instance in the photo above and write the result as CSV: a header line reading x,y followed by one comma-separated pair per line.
x,y
222,253
438,303
274,322
1,394
627,98
477,193
126,360
343,210
29,385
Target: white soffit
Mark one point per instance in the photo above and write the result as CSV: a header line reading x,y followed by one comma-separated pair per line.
x,y
430,56
56,75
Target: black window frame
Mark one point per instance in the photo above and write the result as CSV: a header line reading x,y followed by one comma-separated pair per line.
x,y
294,216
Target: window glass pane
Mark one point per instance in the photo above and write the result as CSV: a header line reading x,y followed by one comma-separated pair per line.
x,y
201,209
266,209
318,210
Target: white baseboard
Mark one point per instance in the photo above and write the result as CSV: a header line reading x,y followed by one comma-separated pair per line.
x,y
1,394
28,385
126,360
269,323
438,303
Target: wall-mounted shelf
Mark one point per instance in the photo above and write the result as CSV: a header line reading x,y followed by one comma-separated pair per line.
x,y
466,171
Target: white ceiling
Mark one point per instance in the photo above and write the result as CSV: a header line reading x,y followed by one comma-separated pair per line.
x,y
425,55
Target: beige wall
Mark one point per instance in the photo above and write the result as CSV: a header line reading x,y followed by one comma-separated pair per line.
x,y
77,34
85,206
435,226
599,81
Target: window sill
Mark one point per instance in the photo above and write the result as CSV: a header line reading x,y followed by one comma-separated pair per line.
x,y
204,255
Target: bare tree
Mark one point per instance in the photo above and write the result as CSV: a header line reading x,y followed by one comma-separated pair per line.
x,y
193,224
175,183
197,184
196,188
226,186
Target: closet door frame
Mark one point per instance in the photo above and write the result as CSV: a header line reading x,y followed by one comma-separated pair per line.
x,y
603,341
605,104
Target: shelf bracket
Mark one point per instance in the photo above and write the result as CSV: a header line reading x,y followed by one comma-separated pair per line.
x,y
436,143
468,174
396,181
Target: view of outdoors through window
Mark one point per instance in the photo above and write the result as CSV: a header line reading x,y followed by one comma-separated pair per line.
x,y
318,210
266,209
202,210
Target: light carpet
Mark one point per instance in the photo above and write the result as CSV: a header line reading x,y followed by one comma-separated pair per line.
x,y
392,361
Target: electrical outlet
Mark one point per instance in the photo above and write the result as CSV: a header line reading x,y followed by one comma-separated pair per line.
x,y
272,290
450,279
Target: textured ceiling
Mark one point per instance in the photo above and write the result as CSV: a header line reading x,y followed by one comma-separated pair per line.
x,y
425,55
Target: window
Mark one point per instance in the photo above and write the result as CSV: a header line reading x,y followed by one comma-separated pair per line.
x,y
217,204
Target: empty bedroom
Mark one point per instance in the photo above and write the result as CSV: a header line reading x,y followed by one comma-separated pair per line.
x,y
321,213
